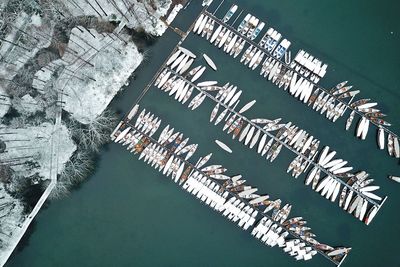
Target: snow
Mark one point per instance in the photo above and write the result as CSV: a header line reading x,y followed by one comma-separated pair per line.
x,y
19,56
173,13
36,20
85,90
4,102
11,217
85,98
34,143
136,17
27,105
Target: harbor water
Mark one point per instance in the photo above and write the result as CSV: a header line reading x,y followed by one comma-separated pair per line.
x,y
128,214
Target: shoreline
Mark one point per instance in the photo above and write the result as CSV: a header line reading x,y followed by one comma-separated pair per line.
x,y
54,161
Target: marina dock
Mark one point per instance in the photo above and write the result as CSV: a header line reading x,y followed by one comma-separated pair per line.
x,y
225,192
373,204
277,140
347,105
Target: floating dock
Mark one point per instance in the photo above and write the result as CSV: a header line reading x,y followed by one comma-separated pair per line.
x,y
218,197
346,105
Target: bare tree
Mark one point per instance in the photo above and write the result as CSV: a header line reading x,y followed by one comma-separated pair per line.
x,y
94,134
77,168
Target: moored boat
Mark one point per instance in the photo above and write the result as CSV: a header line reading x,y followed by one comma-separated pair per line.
x,y
223,146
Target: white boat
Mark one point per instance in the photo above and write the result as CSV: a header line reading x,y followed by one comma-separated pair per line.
x,y
211,168
323,183
257,30
369,188
231,44
122,135
180,90
198,22
221,116
198,74
337,165
372,195
365,129
235,98
267,147
363,210
207,83
224,38
185,149
223,146
206,2
381,138
214,112
164,134
244,23
390,144
262,143
366,106
244,132
230,95
168,164
215,34
179,172
187,95
187,52
199,102
338,252
210,62
173,57
311,175
342,170
178,60
258,200
255,139
133,112
247,106
254,58
203,23
163,80
230,13
370,215
194,70
182,64
247,193
186,66
396,146
395,178
323,154
249,135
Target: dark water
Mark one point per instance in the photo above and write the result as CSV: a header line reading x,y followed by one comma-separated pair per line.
x,y
127,214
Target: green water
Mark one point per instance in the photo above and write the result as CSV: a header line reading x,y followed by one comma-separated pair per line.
x,y
127,214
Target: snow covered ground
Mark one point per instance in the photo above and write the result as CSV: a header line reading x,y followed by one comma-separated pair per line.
x,y
33,143
95,67
10,212
85,99
131,13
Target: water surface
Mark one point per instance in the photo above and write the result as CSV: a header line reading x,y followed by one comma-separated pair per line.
x,y
127,214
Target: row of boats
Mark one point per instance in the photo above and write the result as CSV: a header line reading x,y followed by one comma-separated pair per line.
x,y
299,77
256,132
249,28
309,66
229,195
